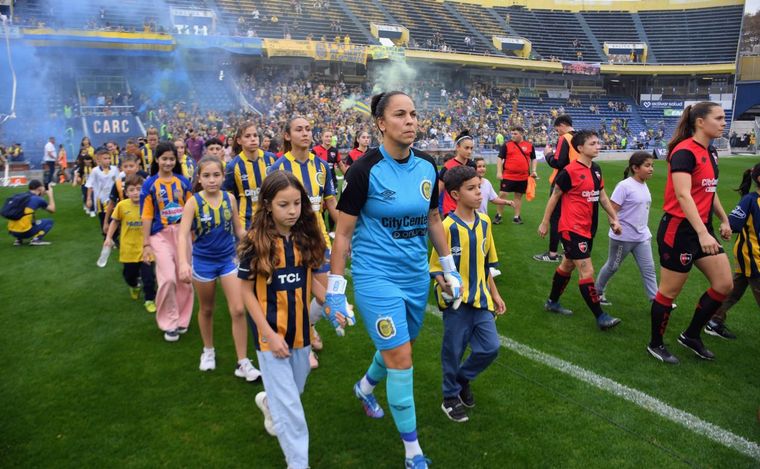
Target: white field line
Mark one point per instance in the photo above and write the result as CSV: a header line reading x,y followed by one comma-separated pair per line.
x,y
641,399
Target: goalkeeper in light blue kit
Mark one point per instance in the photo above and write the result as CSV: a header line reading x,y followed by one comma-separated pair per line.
x,y
388,207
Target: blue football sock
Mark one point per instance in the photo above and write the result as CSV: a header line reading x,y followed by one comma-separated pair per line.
x,y
400,390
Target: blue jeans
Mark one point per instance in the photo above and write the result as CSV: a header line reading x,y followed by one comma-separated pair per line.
x,y
466,325
38,230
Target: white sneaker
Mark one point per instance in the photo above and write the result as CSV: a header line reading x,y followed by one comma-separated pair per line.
x,y
261,403
208,361
92,214
248,371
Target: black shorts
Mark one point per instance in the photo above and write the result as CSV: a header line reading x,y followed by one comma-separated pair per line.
x,y
678,243
519,187
576,247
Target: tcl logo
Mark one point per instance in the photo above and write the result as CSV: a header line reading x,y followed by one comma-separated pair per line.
x,y
289,278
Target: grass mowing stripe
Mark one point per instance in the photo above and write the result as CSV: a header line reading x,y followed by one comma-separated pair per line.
x,y
643,400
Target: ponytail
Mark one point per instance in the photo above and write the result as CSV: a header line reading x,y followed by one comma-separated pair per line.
x,y
687,123
637,159
751,174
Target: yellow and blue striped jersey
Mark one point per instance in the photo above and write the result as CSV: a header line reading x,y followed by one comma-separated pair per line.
x,y
147,158
188,166
213,228
745,220
243,178
162,202
316,177
474,254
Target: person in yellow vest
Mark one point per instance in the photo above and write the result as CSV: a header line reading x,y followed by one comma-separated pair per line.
x,y
563,155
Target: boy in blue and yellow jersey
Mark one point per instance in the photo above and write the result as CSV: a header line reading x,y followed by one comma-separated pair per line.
x,y
469,237
744,220
127,215
246,172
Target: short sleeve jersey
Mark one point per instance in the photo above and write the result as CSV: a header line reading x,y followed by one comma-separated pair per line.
x,y
213,229
161,202
580,186
745,220
691,157
391,200
285,299
25,223
353,155
449,204
517,159
131,237
474,253
243,178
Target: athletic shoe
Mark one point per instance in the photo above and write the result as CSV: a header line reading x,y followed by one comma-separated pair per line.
x,y
371,407
171,336
261,403
313,362
719,330
497,219
417,462
248,371
18,242
454,409
316,340
606,322
546,257
92,214
208,361
696,346
517,221
38,242
465,395
555,307
182,330
150,306
134,293
604,301
661,353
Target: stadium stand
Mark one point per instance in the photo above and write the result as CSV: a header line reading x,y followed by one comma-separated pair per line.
x,y
612,26
705,35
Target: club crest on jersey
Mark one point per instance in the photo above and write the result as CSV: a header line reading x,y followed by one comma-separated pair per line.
x,y
321,178
685,258
483,247
583,247
227,214
598,174
385,327
426,189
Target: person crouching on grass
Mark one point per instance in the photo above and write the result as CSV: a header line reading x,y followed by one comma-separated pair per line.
x,y
211,215
127,215
580,188
278,255
469,236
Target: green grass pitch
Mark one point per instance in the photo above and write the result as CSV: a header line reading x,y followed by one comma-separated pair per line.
x,y
87,380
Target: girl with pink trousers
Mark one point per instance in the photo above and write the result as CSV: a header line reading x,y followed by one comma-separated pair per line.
x,y
162,199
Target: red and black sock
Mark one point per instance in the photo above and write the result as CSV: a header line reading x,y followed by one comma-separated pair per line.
x,y
661,307
559,283
590,295
707,306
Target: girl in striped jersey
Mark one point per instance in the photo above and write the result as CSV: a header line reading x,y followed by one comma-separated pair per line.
x,y
211,216
161,200
277,258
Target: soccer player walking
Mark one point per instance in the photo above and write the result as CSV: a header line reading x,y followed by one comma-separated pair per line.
x,y
685,237
388,208
580,188
517,163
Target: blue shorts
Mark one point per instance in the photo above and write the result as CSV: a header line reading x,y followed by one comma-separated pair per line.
x,y
392,313
206,270
326,266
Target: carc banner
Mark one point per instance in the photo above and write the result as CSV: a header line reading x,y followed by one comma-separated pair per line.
x,y
581,68
119,128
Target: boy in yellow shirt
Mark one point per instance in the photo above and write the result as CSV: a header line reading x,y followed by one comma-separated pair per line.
x,y
127,214
469,236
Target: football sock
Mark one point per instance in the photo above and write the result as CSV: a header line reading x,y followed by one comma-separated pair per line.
x,y
376,373
661,308
559,283
411,444
400,392
707,306
208,350
588,291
